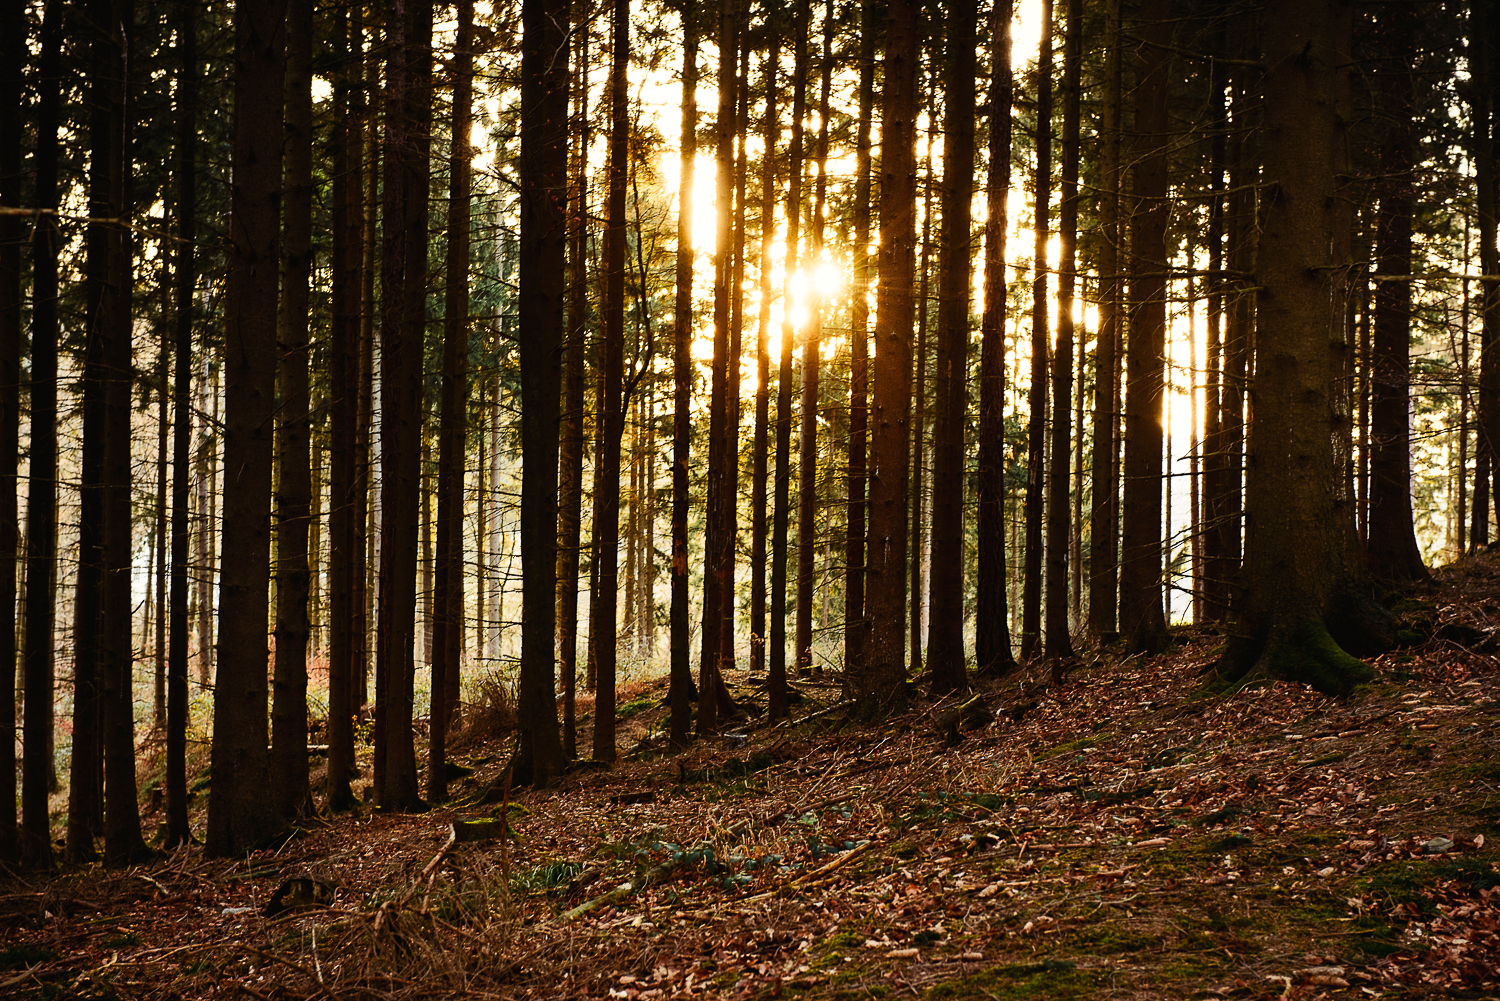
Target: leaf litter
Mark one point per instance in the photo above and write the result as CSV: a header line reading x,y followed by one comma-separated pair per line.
x,y
1123,836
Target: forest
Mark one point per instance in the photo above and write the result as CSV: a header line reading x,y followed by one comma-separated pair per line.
x,y
368,367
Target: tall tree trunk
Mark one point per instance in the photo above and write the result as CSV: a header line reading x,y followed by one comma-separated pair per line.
x,y
362,575
776,678
1059,644
41,500
856,624
606,534
718,555
293,499
682,689
448,600
345,565
771,125
403,305
543,286
1306,605
880,684
208,494
1483,36
1213,571
103,645
1393,551
13,35
240,811
85,785
1103,554
945,644
732,402
158,574
917,592
1239,329
1036,396
992,650
807,469
570,445
1142,617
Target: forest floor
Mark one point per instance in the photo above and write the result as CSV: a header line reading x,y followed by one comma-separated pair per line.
x,y
1122,836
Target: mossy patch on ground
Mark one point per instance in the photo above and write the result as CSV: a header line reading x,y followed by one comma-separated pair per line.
x,y
1055,980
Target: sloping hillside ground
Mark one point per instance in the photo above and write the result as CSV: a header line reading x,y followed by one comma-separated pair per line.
x,y
1123,836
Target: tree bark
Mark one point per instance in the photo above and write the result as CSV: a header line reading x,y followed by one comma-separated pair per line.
x,y
776,677
240,812
856,624
1305,611
448,600
1058,641
945,643
41,503
1392,548
771,124
606,534
992,651
403,305
543,286
880,683
345,563
807,466
1483,39
683,693
718,554
1036,395
570,445
13,35
1142,617
294,482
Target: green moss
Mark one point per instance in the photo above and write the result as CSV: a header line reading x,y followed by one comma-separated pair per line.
x,y
1407,882
1051,979
1310,656
1328,759
1110,939
1474,771
1072,745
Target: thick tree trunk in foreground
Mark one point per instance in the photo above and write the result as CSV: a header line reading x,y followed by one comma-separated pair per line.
x,y
945,637
880,683
1305,613
240,812
992,650
544,232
